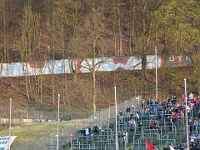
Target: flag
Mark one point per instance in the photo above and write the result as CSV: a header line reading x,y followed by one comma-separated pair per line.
x,y
150,146
171,148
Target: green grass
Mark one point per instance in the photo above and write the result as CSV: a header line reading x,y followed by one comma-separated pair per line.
x,y
28,133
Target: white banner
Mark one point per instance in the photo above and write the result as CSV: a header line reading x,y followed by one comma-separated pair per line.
x,y
5,142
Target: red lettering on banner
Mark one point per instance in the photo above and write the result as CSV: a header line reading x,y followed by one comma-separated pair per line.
x,y
181,58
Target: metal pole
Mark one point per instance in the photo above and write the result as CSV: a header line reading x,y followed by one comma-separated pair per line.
x,y
186,115
108,116
10,124
138,101
156,72
109,112
58,123
116,133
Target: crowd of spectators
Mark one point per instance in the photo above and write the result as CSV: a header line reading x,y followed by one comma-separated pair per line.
x,y
172,111
167,114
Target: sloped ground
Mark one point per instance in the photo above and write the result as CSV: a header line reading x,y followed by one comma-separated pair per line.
x,y
43,90
79,94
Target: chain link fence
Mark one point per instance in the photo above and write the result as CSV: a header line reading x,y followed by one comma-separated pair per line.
x,y
48,142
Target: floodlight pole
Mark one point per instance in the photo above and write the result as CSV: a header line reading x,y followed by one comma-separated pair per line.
x,y
156,72
186,115
58,123
116,132
10,123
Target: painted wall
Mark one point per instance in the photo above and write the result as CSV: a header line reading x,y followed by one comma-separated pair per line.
x,y
84,66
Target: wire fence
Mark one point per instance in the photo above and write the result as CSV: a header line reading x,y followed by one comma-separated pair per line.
x,y
27,117
48,142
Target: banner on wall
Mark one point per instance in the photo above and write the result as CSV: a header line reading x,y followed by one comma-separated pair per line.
x,y
5,142
45,67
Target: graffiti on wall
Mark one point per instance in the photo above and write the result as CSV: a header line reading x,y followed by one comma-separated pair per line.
x,y
85,66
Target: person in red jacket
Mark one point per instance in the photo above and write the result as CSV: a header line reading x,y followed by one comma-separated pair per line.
x,y
151,125
72,136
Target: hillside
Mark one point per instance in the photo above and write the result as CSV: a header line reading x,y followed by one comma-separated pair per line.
x,y
129,84
56,29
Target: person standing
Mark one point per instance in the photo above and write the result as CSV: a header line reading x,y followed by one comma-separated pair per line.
x,y
143,104
87,133
128,110
195,124
125,134
72,136
182,117
40,119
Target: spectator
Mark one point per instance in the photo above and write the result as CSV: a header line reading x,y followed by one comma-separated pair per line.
x,y
151,125
120,136
164,105
128,110
172,145
192,139
61,118
120,117
140,125
174,100
125,134
170,105
89,130
175,118
132,124
195,124
71,136
47,119
120,113
181,146
190,124
183,100
143,104
165,147
149,101
182,117
96,130
133,108
154,106
87,133
159,129
191,97
40,119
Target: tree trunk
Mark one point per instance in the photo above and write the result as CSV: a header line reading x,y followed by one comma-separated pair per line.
x,y
119,30
5,30
94,92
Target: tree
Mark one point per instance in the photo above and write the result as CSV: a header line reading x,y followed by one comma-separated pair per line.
x,y
181,20
5,30
30,27
87,43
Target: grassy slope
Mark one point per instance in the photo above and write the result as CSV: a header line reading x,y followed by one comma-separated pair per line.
x,y
34,132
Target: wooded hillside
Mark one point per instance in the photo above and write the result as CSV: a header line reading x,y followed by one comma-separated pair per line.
x,y
56,29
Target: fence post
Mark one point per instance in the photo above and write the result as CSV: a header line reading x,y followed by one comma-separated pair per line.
x,y
34,145
27,117
125,106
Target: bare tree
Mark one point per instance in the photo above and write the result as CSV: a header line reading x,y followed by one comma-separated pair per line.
x,y
30,26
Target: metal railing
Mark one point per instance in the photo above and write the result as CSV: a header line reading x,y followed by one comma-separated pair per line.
x,y
81,142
